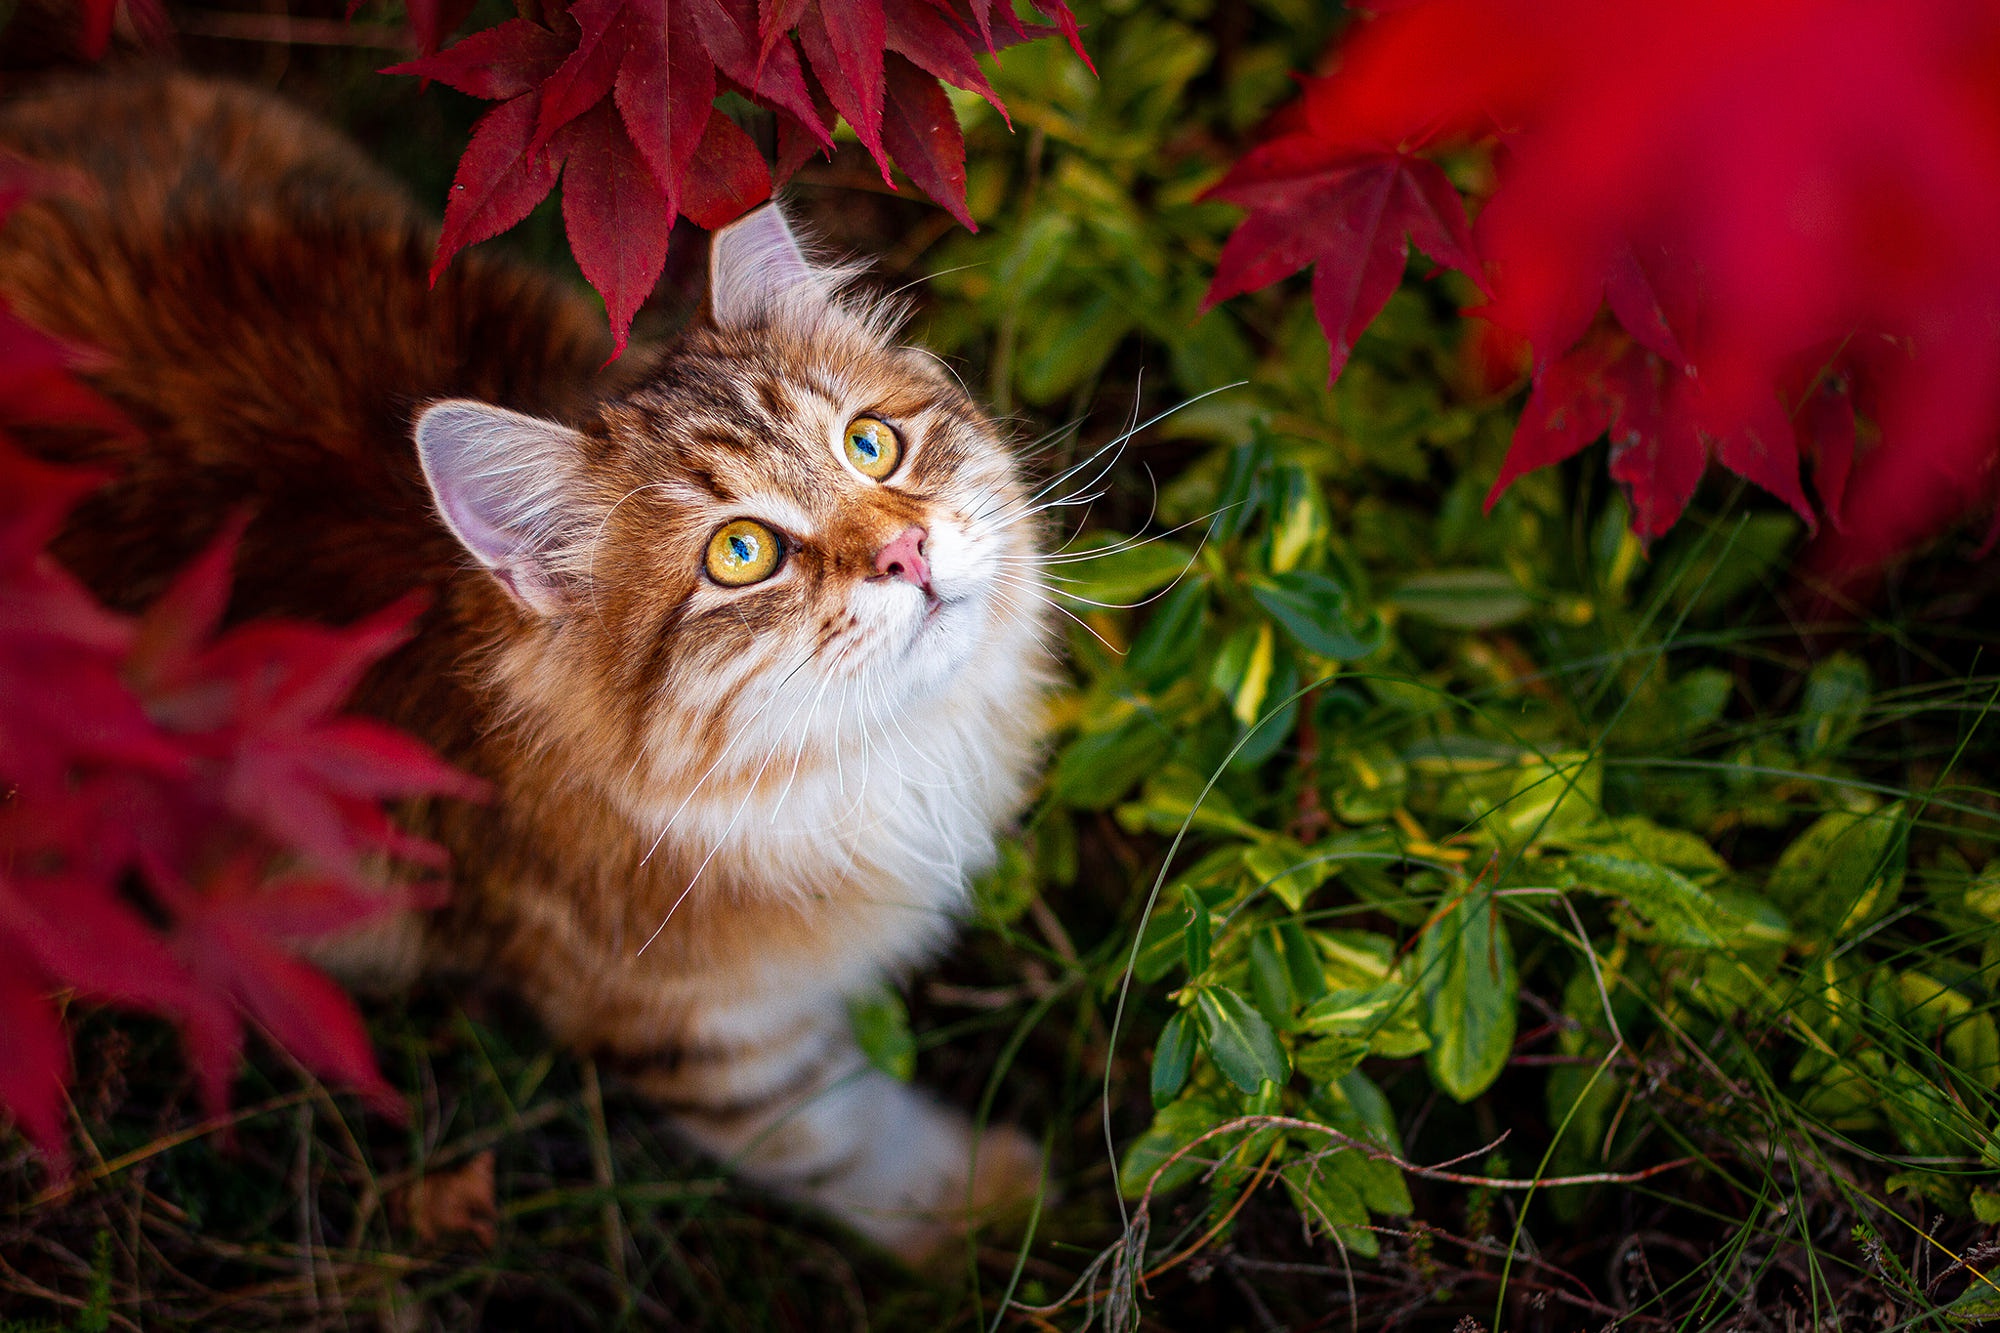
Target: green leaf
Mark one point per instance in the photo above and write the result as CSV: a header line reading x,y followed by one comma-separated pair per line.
x,y
1328,1196
1369,1106
1173,1128
1697,699
1270,984
1842,872
1977,1304
1242,672
1099,766
1974,1046
1465,599
1302,961
1004,892
1118,571
1244,487
1195,941
1383,1188
1836,694
1169,801
1373,783
1288,870
1331,1058
1313,609
1681,911
1172,636
1640,838
1467,979
881,1026
1062,353
1240,1042
1556,799
1036,254
1299,520
1173,1057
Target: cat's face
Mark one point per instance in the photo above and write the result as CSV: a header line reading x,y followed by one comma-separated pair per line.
x,y
797,526
814,506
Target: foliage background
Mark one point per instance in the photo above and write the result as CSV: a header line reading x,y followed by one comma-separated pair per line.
x,y
1497,842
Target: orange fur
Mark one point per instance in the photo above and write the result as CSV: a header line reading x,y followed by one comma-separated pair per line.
x,y
719,811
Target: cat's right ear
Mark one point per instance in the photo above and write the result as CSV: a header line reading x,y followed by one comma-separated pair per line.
x,y
756,264
500,480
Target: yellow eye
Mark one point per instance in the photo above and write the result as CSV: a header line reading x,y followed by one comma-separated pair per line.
x,y
743,552
872,447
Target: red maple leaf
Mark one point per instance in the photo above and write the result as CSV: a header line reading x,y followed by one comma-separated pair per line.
x,y
613,98
1347,213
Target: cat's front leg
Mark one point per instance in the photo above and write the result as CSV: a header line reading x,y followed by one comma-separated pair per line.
x,y
801,1111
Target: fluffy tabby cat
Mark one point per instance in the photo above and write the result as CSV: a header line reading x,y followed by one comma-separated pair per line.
x,y
745,637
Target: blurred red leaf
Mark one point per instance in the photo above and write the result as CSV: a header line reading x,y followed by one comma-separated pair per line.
x,y
494,63
431,21
1741,181
131,752
147,17
34,1058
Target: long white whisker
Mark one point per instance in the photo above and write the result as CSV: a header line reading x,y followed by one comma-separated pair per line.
x,y
776,692
729,828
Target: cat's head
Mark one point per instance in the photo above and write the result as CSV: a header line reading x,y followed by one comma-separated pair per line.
x,y
796,523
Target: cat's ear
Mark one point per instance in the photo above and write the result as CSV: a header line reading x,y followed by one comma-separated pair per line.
x,y
756,264
501,483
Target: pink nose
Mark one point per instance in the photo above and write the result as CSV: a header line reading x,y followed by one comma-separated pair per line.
x,y
903,559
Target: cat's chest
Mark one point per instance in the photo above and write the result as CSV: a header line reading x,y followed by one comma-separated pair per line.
x,y
901,813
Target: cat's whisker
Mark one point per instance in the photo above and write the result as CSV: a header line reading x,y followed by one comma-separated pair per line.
x,y
1034,590
800,753
777,692
1041,444
1063,476
1115,446
923,278
916,752
749,795
1118,441
1044,562
943,364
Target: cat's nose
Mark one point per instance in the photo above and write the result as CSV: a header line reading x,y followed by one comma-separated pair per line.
x,y
903,559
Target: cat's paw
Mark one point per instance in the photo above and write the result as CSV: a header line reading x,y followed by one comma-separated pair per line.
x,y
1006,1177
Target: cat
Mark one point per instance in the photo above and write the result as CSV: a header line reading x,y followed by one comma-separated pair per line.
x,y
746,631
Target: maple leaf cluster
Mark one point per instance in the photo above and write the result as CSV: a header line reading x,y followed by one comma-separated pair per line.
x,y
1755,232
155,773
616,98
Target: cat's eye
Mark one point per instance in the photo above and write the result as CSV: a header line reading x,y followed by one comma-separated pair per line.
x,y
872,447
743,552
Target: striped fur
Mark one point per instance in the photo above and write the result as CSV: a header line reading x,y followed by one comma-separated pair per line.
x,y
720,811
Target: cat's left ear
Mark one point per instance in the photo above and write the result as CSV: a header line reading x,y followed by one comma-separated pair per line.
x,y
756,266
504,485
